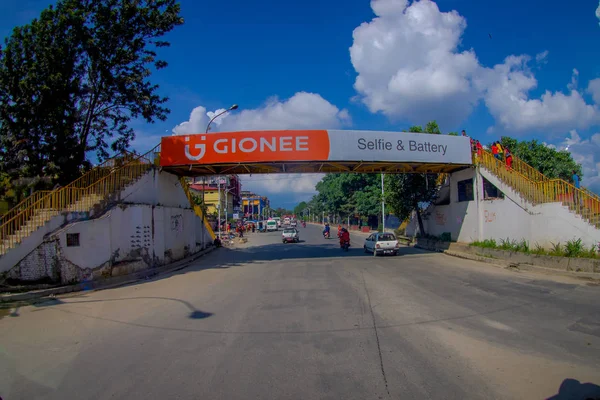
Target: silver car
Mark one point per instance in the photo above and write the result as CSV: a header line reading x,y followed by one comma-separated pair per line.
x,y
381,243
290,235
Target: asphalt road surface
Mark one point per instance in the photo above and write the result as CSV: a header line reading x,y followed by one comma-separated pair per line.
x,y
267,320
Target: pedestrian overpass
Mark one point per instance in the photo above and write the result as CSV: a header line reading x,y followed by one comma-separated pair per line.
x,y
313,151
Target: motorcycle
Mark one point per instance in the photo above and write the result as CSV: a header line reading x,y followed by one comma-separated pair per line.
x,y
345,245
326,235
304,224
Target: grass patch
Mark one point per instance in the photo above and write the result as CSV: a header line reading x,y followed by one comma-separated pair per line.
x,y
573,248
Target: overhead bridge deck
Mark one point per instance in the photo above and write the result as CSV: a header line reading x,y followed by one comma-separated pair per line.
x,y
311,167
313,151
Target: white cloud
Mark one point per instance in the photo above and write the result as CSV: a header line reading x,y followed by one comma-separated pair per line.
x,y
542,58
505,91
594,89
301,111
410,66
587,153
598,12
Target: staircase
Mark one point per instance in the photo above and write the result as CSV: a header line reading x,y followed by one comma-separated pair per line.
x,y
536,188
197,209
82,195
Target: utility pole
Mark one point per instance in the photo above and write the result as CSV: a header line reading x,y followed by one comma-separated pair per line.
x,y
382,203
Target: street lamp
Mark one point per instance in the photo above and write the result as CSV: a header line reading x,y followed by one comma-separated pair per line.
x,y
382,203
233,107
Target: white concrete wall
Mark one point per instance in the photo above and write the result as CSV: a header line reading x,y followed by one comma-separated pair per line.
x,y
155,225
125,239
157,188
509,218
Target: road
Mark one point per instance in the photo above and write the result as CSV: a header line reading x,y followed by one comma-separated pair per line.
x,y
267,320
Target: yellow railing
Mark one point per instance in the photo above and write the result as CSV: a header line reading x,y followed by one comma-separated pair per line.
x,y
73,197
85,180
545,191
527,170
197,209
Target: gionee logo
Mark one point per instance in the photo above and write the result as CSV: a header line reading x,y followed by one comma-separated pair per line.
x,y
224,145
201,147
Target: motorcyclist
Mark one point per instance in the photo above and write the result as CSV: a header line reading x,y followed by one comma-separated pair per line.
x,y
344,236
326,230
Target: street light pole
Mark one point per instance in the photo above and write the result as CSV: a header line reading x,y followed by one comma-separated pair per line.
x,y
233,107
382,203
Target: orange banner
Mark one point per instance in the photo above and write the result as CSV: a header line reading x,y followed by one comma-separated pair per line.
x,y
251,146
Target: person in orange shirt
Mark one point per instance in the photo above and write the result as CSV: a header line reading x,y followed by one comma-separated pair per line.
x,y
479,148
495,150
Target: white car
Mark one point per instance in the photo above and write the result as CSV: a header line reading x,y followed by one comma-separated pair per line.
x,y
290,235
293,224
381,243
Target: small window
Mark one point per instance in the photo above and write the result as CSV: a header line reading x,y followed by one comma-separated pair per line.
x,y
490,191
72,239
465,190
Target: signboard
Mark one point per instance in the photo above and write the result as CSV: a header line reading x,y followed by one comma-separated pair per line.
x,y
236,216
314,145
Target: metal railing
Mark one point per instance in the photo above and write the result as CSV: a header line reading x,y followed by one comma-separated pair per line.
x,y
197,209
85,180
74,197
544,191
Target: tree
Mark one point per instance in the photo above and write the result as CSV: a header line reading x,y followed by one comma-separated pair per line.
x,y
549,161
405,193
349,194
300,207
73,80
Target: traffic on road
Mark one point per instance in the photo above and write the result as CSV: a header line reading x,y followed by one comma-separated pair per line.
x,y
268,320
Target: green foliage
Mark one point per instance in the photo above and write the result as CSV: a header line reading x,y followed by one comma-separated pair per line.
x,y
348,194
486,244
72,80
446,237
573,248
360,194
453,134
550,162
406,193
299,208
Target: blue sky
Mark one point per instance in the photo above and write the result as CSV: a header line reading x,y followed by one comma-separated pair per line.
x,y
249,52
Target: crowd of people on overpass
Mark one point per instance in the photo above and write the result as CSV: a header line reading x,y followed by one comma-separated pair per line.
x,y
498,151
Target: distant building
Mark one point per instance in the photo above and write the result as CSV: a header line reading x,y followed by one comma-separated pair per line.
x,y
254,205
225,188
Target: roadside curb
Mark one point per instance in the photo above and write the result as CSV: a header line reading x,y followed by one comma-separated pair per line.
x,y
26,298
517,267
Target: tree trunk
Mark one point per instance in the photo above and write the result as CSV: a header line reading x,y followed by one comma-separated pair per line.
x,y
420,221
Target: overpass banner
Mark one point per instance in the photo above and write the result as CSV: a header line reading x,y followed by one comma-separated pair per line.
x,y
314,145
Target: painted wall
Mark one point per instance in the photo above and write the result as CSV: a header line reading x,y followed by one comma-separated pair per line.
x,y
508,218
128,237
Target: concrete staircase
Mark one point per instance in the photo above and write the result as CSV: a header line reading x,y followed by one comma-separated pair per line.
x,y
67,200
535,188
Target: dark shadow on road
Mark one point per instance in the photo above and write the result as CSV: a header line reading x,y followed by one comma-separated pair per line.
x,y
194,313
282,252
572,389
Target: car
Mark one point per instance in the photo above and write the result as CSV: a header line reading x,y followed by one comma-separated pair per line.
x,y
381,243
293,224
290,235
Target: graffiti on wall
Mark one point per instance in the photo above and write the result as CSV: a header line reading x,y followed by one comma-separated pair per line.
x,y
440,218
489,216
177,223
